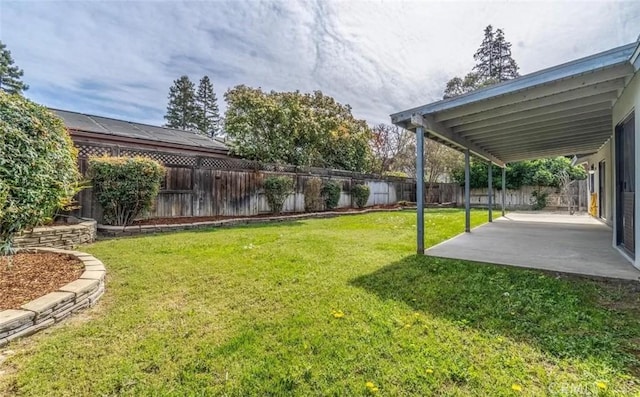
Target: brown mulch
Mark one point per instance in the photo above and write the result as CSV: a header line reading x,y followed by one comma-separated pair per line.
x,y
27,276
195,219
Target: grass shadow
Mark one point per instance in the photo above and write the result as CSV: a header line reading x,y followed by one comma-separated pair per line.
x,y
562,316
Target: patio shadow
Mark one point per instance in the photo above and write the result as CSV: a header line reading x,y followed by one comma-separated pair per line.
x,y
565,317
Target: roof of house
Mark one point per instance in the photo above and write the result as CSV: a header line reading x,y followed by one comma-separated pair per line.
x,y
126,129
565,109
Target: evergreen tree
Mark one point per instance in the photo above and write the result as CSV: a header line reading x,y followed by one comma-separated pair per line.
x,y
493,65
505,67
493,58
208,114
9,73
181,110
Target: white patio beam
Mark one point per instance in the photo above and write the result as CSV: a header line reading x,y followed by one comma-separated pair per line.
x,y
467,191
446,134
580,114
550,142
547,126
601,101
420,189
611,86
530,154
490,192
504,187
543,135
541,91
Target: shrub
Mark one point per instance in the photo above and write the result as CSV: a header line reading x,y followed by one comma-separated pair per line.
x,y
125,187
395,174
360,194
331,192
539,199
313,195
277,188
38,166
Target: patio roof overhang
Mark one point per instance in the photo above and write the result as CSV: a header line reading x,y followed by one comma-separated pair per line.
x,y
563,110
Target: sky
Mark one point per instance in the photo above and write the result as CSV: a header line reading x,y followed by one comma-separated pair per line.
x,y
119,58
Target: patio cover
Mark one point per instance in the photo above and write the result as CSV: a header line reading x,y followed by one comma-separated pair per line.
x,y
563,110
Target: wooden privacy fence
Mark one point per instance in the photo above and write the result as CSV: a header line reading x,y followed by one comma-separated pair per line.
x,y
208,186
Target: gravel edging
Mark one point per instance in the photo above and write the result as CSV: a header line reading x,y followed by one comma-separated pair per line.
x,y
118,231
54,307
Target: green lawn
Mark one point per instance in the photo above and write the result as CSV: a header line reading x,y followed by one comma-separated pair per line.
x,y
322,307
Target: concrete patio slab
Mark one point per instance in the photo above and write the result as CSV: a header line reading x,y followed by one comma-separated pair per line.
x,y
576,244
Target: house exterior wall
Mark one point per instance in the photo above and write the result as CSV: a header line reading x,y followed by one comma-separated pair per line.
x,y
628,102
605,153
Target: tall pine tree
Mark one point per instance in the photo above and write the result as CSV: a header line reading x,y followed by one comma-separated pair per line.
x,y
493,65
9,73
208,114
182,110
493,58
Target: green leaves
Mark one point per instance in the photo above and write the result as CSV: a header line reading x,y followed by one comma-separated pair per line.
x,y
360,195
38,170
181,110
310,130
10,74
125,187
277,188
541,172
331,192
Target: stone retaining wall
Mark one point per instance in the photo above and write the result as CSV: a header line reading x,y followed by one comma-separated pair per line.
x,y
59,236
55,306
120,231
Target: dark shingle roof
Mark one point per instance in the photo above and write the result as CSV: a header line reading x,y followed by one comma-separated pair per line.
x,y
127,129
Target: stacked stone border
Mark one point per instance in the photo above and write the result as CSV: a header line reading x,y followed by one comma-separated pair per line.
x,y
120,231
55,306
59,236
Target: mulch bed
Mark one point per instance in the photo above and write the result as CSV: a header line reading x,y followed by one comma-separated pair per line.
x,y
27,276
195,219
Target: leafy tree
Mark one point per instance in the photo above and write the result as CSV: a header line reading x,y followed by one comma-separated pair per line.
x,y
493,64
10,74
391,146
208,113
458,86
293,128
181,110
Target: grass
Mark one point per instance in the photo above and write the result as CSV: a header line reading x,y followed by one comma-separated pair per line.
x,y
338,307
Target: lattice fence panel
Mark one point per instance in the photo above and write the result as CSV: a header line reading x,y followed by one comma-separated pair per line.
x,y
164,158
228,164
89,150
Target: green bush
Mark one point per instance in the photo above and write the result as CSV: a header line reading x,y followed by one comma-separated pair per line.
x,y
38,166
360,195
313,195
539,199
331,192
395,174
277,188
125,187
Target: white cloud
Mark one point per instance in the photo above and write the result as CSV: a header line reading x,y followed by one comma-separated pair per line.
x,y
119,59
